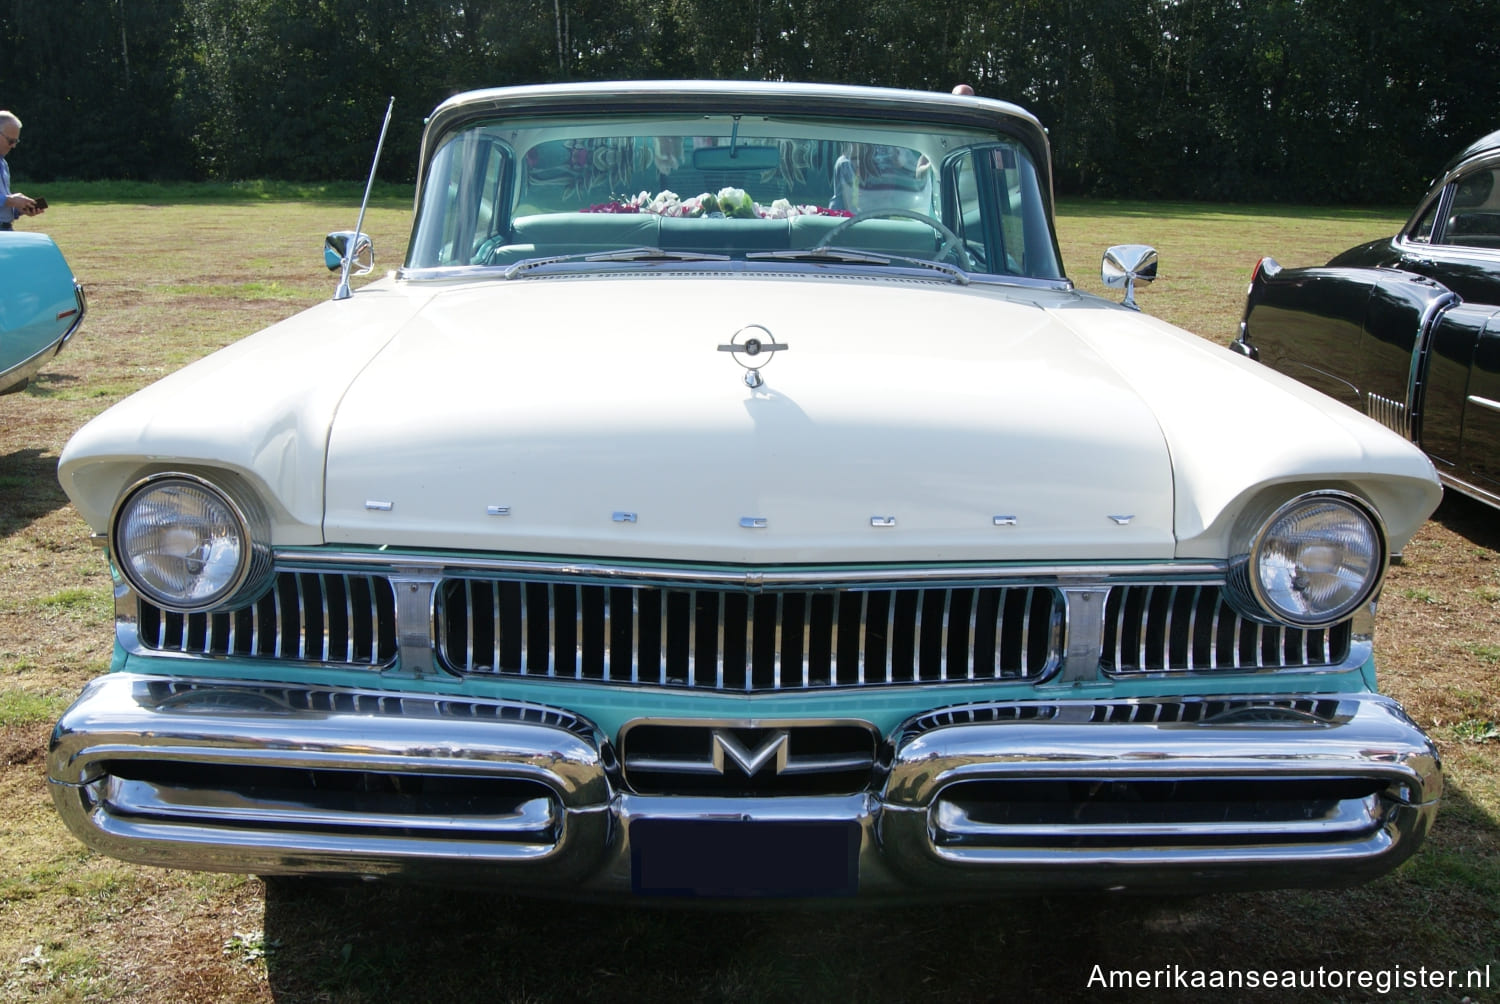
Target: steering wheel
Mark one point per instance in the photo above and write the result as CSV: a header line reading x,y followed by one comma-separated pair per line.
x,y
953,245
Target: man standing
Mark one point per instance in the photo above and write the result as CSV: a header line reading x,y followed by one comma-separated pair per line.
x,y
12,204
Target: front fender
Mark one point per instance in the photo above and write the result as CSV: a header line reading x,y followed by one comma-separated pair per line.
x,y
1358,334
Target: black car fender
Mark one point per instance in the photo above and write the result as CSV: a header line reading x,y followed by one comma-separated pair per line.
x,y
1360,334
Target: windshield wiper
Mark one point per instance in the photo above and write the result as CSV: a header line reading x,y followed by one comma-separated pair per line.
x,y
854,256
843,256
625,254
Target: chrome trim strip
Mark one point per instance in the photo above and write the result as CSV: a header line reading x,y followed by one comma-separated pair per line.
x,y
1359,816
806,639
1484,402
758,268
142,798
1415,386
414,620
577,633
1485,495
756,578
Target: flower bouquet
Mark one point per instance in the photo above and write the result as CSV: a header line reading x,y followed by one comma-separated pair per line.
x,y
726,203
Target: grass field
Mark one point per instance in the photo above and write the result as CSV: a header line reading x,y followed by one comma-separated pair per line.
x,y
173,273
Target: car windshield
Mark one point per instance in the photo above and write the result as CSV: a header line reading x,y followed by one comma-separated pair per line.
x,y
767,192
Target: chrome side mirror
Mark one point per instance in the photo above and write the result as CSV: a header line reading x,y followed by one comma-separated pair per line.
x,y
1125,265
337,243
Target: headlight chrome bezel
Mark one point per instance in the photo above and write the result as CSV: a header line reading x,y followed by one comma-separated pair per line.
x,y
1247,590
253,570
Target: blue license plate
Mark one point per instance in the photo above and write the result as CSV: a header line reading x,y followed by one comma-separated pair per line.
x,y
730,858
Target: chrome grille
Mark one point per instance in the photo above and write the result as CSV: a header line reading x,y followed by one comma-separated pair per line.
x,y
1391,414
744,641
199,695
1222,711
1190,628
305,616
1148,711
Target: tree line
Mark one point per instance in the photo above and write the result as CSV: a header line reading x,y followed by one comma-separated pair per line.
x,y
1344,101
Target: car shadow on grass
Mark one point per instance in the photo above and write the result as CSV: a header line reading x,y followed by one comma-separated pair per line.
x,y
1470,518
48,384
392,942
28,489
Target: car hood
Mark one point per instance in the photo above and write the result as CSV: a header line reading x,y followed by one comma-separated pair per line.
x,y
602,417
904,420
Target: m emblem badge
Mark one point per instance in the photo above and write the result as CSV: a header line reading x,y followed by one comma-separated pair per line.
x,y
737,759
726,746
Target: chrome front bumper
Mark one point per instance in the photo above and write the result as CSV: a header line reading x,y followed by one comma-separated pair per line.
x,y
1014,796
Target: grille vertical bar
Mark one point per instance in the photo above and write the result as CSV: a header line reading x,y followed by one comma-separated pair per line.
x,y
1157,629
328,618
747,642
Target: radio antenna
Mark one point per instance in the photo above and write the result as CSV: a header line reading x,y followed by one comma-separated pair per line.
x,y
351,244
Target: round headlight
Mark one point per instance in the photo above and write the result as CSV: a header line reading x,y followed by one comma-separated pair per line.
x,y
186,545
1313,562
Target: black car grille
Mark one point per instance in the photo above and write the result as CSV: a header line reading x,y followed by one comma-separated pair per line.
x,y
747,642
1166,629
305,616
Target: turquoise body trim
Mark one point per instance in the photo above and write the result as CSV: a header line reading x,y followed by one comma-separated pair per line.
x,y
610,707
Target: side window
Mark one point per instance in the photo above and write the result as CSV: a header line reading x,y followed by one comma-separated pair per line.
x,y
465,201
490,210
986,195
966,218
1422,232
1474,216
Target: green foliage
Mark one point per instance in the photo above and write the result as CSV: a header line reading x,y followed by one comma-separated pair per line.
x,y
19,707
1280,100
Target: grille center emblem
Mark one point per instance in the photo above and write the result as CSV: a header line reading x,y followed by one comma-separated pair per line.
x,y
727,747
736,759
752,351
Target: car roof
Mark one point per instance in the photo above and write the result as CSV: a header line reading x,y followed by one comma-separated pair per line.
x,y
1478,148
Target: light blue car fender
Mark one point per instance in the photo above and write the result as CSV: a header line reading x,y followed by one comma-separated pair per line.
x,y
41,306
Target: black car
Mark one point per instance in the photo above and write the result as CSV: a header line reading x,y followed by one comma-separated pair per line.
x,y
1405,329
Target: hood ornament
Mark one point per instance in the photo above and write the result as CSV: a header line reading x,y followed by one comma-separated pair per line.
x,y
753,351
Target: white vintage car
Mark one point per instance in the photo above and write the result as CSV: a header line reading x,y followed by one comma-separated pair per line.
x,y
731,496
